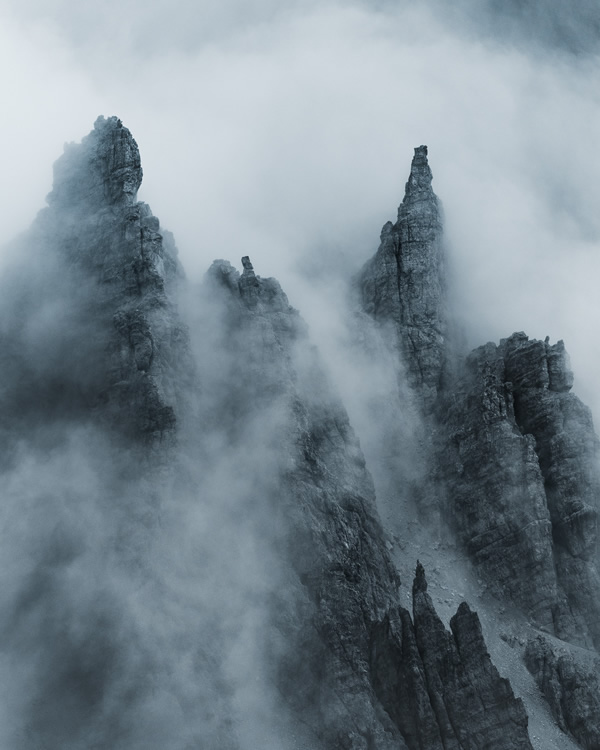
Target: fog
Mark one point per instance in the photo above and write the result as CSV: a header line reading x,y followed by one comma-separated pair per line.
x,y
284,133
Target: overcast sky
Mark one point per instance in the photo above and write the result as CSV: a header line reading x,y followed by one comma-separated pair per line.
x,y
284,131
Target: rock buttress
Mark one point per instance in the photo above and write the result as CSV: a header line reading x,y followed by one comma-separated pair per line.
x,y
403,286
97,263
355,669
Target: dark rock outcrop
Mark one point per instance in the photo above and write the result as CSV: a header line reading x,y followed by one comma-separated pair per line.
x,y
510,449
512,453
568,452
97,259
569,681
404,685
403,287
495,490
517,438
341,576
441,687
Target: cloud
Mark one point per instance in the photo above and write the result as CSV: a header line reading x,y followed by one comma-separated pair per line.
x,y
285,133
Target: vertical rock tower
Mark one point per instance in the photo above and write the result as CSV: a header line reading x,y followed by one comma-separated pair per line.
x,y
403,286
104,252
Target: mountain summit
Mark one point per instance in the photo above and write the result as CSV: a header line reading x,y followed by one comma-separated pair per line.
x,y
404,284
195,555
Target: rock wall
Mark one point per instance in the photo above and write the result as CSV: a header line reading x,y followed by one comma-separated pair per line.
x,y
512,457
374,679
512,451
403,287
105,265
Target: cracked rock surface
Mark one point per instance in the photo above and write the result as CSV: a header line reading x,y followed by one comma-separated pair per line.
x,y
103,263
405,684
512,452
93,336
404,285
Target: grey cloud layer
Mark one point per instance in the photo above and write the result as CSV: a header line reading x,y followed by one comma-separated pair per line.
x,y
286,137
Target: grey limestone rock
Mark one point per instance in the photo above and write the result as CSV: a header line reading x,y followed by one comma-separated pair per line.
x,y
403,286
495,491
512,451
520,457
350,666
357,670
333,544
441,687
475,706
567,450
569,680
101,254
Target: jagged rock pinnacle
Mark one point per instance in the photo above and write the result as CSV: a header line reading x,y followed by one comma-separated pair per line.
x,y
418,187
420,582
105,168
95,226
404,283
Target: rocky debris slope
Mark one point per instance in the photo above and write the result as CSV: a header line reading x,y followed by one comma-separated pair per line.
x,y
403,287
569,681
356,669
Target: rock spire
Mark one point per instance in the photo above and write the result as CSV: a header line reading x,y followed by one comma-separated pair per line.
x,y
404,287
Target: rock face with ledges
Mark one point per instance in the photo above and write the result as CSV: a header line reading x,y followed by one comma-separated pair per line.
x,y
441,687
512,451
358,671
340,577
91,335
495,490
523,486
567,449
102,256
403,287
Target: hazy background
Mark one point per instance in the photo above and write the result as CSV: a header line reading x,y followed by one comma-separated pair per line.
x,y
284,131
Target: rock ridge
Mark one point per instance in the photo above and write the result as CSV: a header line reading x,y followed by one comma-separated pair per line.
x,y
403,287
513,452
398,693
101,248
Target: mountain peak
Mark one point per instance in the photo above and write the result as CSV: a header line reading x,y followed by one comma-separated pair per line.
x,y
418,188
104,169
404,283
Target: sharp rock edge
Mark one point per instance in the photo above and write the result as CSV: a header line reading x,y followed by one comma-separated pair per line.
x,y
239,514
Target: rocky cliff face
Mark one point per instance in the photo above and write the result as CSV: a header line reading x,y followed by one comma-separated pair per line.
x,y
516,458
521,440
357,669
99,265
403,286
281,610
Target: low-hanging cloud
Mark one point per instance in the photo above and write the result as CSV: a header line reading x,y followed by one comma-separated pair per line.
x,y
287,136
283,133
